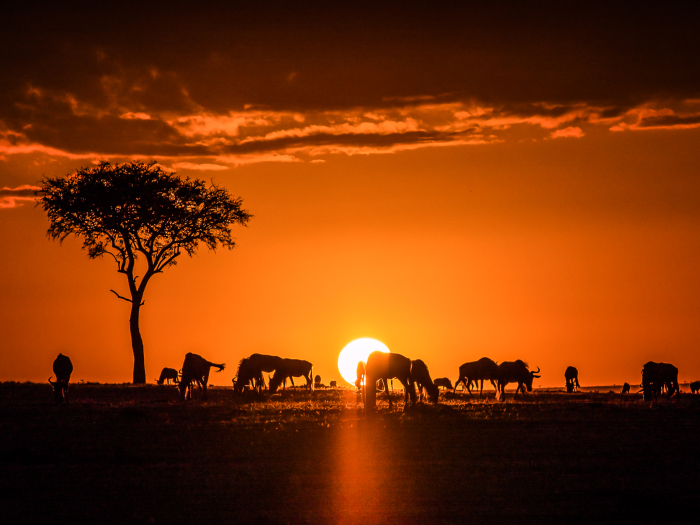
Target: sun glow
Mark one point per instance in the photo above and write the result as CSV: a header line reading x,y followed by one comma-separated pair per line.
x,y
355,351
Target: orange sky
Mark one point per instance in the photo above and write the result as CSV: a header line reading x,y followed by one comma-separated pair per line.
x,y
544,208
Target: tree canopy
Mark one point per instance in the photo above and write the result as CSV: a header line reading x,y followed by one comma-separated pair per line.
x,y
138,211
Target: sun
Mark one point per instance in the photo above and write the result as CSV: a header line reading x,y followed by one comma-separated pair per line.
x,y
355,351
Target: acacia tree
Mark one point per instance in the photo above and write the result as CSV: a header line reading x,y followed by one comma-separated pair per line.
x,y
139,212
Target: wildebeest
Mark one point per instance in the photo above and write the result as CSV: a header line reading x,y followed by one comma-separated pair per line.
x,y
333,383
695,387
625,388
421,377
482,369
360,375
195,369
63,368
514,372
657,375
290,368
252,368
168,374
382,365
571,376
444,383
317,381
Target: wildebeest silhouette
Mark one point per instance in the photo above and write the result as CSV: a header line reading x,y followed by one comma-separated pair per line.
x,y
514,372
333,383
382,365
482,369
168,374
252,368
360,374
195,369
317,381
695,387
625,388
290,368
656,376
443,382
571,376
421,377
63,368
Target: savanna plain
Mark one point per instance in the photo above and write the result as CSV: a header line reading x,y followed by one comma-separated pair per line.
x,y
138,454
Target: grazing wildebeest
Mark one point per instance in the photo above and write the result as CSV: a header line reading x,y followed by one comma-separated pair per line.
x,y
657,375
443,382
514,372
63,368
195,369
333,383
252,368
421,377
625,388
166,375
317,381
571,376
290,368
695,387
382,365
482,369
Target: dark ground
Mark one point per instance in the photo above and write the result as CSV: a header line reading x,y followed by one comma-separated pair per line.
x,y
123,454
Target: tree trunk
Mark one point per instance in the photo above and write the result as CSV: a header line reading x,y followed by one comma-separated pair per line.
x,y
137,343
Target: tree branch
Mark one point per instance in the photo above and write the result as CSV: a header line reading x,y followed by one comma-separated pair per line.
x,y
129,300
120,297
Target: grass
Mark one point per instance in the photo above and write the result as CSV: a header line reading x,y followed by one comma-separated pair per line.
x,y
137,454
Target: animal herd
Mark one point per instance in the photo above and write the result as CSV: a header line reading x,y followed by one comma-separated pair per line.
x,y
657,378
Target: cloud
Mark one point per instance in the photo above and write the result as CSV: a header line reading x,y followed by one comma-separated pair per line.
x,y
339,80
58,124
571,131
654,116
131,116
14,197
200,167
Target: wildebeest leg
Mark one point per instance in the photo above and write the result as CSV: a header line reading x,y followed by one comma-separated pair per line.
x,y
468,384
520,388
412,390
386,389
501,391
481,390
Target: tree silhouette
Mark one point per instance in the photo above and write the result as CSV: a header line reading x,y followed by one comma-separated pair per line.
x,y
136,211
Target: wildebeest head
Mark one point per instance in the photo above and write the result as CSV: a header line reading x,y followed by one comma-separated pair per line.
x,y
433,392
60,389
529,376
246,373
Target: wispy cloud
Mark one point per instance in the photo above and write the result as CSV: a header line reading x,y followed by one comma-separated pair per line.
x,y
571,131
672,116
199,167
58,124
15,197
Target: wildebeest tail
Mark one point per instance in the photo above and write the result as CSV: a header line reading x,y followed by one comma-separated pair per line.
x,y
220,367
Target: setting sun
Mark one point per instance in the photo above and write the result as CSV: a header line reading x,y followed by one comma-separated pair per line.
x,y
354,352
